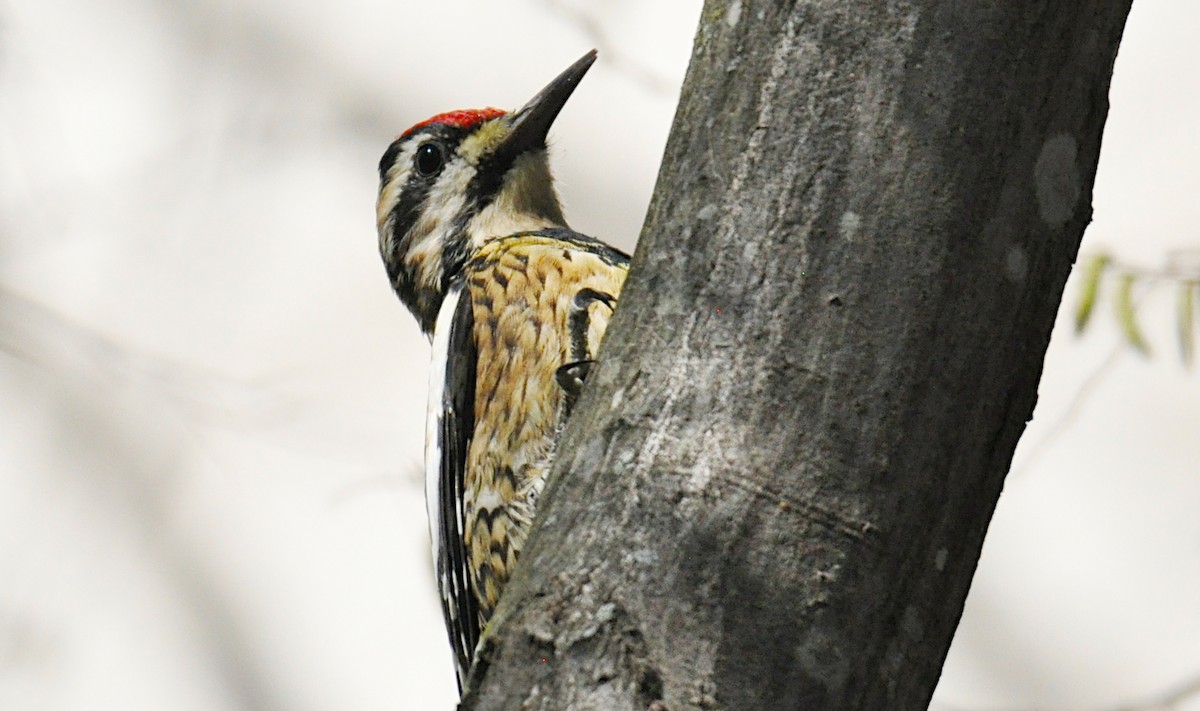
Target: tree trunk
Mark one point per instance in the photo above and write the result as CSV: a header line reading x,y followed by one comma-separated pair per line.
x,y
775,488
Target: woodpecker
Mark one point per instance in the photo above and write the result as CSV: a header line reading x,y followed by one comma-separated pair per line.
x,y
516,303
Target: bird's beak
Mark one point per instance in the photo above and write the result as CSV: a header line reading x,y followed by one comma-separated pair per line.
x,y
532,122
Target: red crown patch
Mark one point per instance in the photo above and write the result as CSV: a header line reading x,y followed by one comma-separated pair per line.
x,y
459,119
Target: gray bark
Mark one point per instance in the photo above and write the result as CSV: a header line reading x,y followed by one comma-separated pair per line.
x,y
775,488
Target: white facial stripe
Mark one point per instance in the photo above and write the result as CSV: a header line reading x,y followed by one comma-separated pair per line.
x,y
427,237
394,182
526,201
432,230
389,194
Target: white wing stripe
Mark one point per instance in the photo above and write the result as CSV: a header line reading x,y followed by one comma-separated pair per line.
x,y
435,411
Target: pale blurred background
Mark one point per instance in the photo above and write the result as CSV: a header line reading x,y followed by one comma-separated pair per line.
x,y
211,404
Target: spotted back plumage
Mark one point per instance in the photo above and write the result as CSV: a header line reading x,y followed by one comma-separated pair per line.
x,y
529,320
523,308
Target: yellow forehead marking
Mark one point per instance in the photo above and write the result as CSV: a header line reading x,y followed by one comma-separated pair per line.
x,y
484,139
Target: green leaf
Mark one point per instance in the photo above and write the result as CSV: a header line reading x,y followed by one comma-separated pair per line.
x,y
1093,270
1186,320
1126,316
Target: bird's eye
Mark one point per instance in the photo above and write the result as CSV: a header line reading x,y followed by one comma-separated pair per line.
x,y
429,159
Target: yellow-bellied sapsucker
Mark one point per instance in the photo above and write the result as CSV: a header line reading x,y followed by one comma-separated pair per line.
x,y
516,303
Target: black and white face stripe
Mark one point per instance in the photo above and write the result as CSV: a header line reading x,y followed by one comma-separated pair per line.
x,y
426,208
416,206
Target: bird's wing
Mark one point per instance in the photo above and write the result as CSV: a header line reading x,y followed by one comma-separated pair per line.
x,y
450,423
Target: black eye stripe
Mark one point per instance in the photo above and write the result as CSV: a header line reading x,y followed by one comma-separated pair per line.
x,y
389,157
413,196
445,136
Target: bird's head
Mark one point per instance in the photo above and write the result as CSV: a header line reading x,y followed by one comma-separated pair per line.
x,y
452,182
